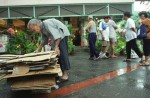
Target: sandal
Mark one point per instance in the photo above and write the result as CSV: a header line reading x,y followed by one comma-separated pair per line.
x,y
127,60
146,64
142,61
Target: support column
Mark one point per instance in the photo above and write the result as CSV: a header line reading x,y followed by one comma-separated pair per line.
x,y
34,12
8,13
108,9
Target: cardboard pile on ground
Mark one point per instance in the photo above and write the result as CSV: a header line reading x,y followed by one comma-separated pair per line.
x,y
33,83
32,71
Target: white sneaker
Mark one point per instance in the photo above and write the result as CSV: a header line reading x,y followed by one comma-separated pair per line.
x,y
104,56
97,58
101,54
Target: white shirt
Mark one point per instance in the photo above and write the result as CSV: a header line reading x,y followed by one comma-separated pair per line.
x,y
104,32
129,33
112,31
53,29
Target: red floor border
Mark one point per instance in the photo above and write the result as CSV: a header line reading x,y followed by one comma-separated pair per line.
x,y
87,83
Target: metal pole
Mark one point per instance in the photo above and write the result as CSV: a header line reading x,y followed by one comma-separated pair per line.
x,y
83,9
108,9
58,10
34,13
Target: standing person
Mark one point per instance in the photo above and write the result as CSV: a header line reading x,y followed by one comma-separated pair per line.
x,y
56,31
146,41
130,34
104,29
112,36
91,29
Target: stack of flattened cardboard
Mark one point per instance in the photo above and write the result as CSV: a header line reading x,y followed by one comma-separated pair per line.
x,y
32,71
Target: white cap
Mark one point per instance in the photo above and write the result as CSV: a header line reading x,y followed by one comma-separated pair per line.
x,y
90,17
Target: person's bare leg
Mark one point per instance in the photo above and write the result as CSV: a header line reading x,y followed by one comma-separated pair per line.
x,y
142,60
104,49
65,75
112,50
146,60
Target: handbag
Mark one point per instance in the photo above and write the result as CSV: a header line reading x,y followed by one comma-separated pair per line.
x,y
142,32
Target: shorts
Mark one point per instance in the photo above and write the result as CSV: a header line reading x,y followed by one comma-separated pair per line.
x,y
105,43
113,40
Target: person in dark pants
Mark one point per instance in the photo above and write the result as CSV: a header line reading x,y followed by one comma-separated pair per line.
x,y
91,29
130,34
132,45
146,41
56,31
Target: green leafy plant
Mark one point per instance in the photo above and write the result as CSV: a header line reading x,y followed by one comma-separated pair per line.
x,y
98,45
120,45
71,47
20,44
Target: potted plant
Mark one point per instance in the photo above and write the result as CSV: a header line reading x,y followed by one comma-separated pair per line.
x,y
120,48
20,44
71,47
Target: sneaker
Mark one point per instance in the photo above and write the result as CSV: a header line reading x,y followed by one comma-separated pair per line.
x,y
101,54
127,60
105,57
97,58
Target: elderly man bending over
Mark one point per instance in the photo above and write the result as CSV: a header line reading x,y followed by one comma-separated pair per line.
x,y
56,31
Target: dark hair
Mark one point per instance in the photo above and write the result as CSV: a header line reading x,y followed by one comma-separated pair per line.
x,y
106,17
143,13
128,14
109,17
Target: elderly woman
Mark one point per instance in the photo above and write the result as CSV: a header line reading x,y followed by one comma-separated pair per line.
x,y
56,31
146,41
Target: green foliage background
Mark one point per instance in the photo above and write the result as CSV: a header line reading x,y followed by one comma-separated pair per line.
x,y
20,44
71,47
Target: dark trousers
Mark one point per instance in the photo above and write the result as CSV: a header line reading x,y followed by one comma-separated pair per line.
x,y
146,47
132,45
64,59
92,40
